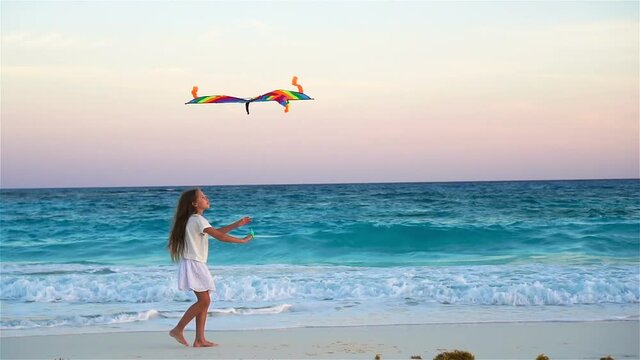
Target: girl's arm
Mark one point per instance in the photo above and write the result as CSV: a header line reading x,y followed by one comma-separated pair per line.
x,y
242,222
221,236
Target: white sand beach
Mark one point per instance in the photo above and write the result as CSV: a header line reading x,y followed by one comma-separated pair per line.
x,y
558,340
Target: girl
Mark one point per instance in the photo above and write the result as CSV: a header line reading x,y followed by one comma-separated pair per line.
x,y
188,245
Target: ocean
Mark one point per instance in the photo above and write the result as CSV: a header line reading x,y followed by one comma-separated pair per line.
x,y
95,259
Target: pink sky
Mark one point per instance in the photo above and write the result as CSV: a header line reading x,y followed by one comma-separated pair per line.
x,y
404,92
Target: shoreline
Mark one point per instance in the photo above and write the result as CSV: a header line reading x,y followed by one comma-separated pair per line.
x,y
517,340
105,329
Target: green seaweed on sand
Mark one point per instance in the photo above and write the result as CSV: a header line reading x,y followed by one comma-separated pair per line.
x,y
455,355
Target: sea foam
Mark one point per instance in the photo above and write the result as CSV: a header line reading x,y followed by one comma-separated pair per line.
x,y
527,285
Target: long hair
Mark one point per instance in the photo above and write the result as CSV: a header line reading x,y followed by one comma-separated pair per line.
x,y
184,210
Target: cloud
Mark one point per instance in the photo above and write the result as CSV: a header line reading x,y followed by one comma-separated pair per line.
x,y
51,40
259,28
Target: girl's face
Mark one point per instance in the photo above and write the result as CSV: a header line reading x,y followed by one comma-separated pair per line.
x,y
202,201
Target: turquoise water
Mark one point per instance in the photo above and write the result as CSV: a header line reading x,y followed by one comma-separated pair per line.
x,y
96,259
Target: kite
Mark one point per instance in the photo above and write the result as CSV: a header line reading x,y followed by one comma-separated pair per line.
x,y
281,96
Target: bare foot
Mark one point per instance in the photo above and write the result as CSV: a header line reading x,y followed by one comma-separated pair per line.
x,y
203,343
179,336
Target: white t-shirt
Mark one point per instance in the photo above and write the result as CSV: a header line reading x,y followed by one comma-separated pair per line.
x,y
196,240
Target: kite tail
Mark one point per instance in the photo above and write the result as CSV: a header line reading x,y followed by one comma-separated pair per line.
x,y
194,92
246,106
294,82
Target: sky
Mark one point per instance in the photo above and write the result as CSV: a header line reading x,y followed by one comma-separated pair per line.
x,y
93,93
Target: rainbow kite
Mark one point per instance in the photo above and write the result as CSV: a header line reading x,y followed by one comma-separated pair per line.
x,y
281,96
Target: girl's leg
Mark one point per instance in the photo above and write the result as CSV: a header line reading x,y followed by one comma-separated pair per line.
x,y
178,331
201,320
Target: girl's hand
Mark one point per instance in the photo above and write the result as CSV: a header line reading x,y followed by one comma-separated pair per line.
x,y
247,238
244,221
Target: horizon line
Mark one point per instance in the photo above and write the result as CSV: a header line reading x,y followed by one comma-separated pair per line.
x,y
326,183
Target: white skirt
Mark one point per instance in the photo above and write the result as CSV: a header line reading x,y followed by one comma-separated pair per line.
x,y
194,275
